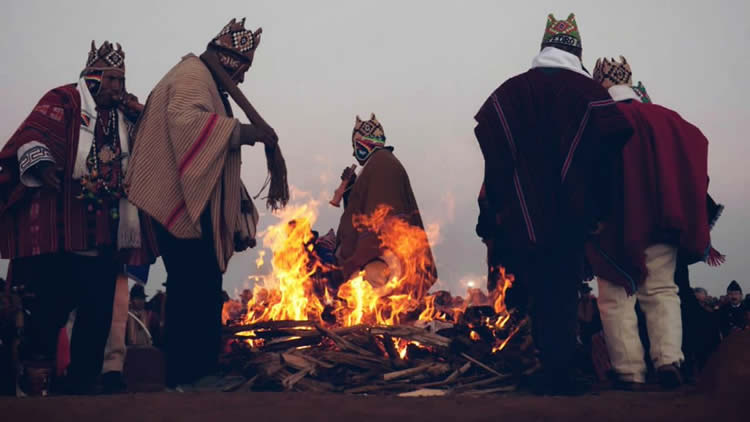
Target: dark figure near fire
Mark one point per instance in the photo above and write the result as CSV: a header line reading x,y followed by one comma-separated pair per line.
x,y
549,137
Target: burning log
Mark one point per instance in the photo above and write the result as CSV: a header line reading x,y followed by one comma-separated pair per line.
x,y
413,333
343,343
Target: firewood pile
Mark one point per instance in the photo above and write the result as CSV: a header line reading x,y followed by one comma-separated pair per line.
x,y
469,357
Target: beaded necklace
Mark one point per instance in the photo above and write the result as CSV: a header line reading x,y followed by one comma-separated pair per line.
x,y
94,187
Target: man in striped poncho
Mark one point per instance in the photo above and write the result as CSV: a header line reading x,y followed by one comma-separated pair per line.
x,y
186,174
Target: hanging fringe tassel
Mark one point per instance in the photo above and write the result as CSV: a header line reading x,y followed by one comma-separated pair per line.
x,y
715,258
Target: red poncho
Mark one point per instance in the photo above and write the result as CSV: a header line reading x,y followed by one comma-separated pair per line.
x,y
36,221
660,198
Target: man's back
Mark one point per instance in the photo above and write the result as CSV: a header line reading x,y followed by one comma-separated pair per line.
x,y
544,134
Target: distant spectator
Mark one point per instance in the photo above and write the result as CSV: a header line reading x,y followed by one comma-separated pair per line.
x,y
156,326
732,314
702,295
137,331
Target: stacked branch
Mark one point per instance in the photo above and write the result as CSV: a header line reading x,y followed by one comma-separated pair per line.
x,y
403,360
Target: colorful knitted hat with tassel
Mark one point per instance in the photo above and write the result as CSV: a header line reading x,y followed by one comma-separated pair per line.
x,y
367,137
106,57
611,72
235,38
563,34
640,91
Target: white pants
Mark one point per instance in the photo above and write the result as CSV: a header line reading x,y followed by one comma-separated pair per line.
x,y
114,351
660,304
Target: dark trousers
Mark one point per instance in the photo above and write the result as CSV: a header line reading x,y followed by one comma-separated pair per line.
x,y
61,283
554,286
193,308
548,281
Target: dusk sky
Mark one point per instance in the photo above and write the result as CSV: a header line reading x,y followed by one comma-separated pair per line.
x,y
424,68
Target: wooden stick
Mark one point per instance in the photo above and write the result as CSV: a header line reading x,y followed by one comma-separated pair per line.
x,y
342,342
413,333
378,387
268,325
212,62
451,378
485,367
405,373
287,343
291,380
480,383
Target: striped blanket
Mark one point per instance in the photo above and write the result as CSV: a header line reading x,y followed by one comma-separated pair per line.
x,y
181,160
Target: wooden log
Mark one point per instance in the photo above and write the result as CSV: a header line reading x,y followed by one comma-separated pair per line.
x,y
425,392
268,325
453,377
390,349
378,387
413,333
357,361
317,362
298,362
284,332
286,343
306,384
268,364
289,381
481,365
406,373
342,342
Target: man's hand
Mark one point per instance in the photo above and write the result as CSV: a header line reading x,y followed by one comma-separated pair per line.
x,y
250,134
348,174
269,138
129,104
46,173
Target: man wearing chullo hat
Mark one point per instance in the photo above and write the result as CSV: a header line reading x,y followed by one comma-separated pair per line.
x,y
659,213
550,138
64,217
185,173
383,182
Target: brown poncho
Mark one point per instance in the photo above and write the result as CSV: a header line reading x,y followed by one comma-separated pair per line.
x,y
383,181
182,159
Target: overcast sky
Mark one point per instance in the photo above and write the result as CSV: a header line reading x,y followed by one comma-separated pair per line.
x,y
424,68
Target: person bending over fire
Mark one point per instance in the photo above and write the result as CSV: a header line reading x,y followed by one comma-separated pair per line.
x,y
383,182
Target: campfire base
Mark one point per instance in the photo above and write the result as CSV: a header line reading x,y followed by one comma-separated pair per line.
x,y
405,360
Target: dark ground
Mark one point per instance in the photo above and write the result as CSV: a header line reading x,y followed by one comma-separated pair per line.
x,y
722,396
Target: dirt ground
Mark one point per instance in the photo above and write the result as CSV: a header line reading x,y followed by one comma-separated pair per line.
x,y
721,396
614,406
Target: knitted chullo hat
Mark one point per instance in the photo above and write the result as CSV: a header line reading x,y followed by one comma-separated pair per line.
x,y
367,137
734,287
563,34
610,72
107,57
640,91
236,39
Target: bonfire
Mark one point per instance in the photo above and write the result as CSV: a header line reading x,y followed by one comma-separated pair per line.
x,y
305,330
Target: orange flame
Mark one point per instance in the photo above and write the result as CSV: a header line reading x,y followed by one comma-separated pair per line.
x,y
292,298
295,291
